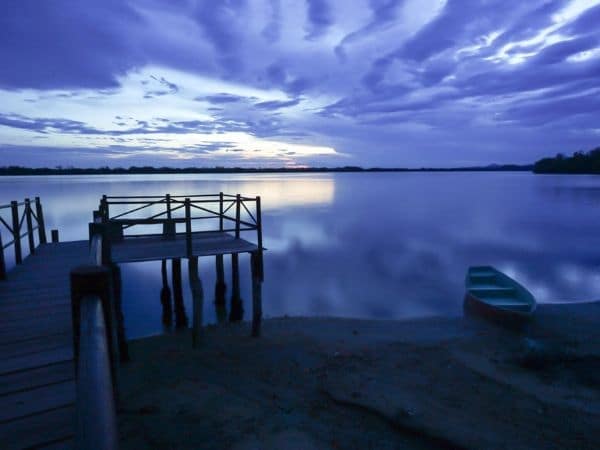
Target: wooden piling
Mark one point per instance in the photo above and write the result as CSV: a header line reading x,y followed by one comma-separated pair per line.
x,y
94,280
29,222
54,236
16,231
181,320
198,301
256,294
39,212
236,312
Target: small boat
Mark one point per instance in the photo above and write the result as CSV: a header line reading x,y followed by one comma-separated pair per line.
x,y
495,295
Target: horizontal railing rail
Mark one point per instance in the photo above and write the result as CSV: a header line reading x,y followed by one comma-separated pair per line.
x,y
26,217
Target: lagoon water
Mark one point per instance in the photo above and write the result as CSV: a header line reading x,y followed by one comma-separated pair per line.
x,y
367,245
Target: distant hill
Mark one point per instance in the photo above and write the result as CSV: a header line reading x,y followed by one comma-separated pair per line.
x,y
580,162
18,170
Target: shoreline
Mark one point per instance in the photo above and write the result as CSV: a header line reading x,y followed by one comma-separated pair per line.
x,y
351,383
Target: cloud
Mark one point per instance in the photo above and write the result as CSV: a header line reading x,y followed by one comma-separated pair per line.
x,y
379,81
319,17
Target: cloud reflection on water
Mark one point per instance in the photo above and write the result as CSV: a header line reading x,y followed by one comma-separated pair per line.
x,y
366,245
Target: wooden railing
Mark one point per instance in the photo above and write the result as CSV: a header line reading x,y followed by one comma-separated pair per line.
x,y
243,213
96,351
21,225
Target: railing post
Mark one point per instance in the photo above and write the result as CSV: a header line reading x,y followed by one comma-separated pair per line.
x,y
188,227
2,263
259,239
28,219
168,200
237,216
14,207
256,293
220,211
104,207
93,280
54,236
39,212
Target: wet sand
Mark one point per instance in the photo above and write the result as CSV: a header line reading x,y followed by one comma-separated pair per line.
x,y
326,383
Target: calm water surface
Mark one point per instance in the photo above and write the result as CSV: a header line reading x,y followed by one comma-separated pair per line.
x,y
385,245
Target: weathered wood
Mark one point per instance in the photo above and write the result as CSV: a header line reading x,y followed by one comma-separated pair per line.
x,y
259,238
38,429
181,320
29,222
16,231
236,313
155,248
36,377
220,211
188,228
256,294
198,301
54,235
238,203
94,281
96,411
19,404
39,212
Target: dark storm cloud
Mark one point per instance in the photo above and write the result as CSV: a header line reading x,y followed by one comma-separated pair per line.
x,y
61,44
319,18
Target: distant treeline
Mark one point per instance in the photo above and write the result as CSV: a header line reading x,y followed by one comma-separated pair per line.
x,y
580,162
18,170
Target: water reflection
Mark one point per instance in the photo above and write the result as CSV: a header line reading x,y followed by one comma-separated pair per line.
x,y
359,245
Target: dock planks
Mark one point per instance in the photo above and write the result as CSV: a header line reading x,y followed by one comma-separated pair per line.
x,y
37,386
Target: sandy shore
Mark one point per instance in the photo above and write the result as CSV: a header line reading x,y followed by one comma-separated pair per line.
x,y
323,383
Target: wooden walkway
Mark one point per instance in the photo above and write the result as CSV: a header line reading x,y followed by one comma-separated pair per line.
x,y
37,386
37,389
153,248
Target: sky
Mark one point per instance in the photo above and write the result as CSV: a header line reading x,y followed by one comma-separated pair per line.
x,y
271,83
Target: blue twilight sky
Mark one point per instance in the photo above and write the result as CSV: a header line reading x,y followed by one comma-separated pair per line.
x,y
297,82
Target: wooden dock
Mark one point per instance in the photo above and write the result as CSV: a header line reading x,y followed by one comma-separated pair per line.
x,y
48,314
37,385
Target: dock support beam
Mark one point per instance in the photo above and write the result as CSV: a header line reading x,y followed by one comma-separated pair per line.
x,y
237,312
54,236
198,301
256,293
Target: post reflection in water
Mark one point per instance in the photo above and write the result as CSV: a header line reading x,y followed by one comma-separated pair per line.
x,y
165,298
236,313
372,245
181,319
220,291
